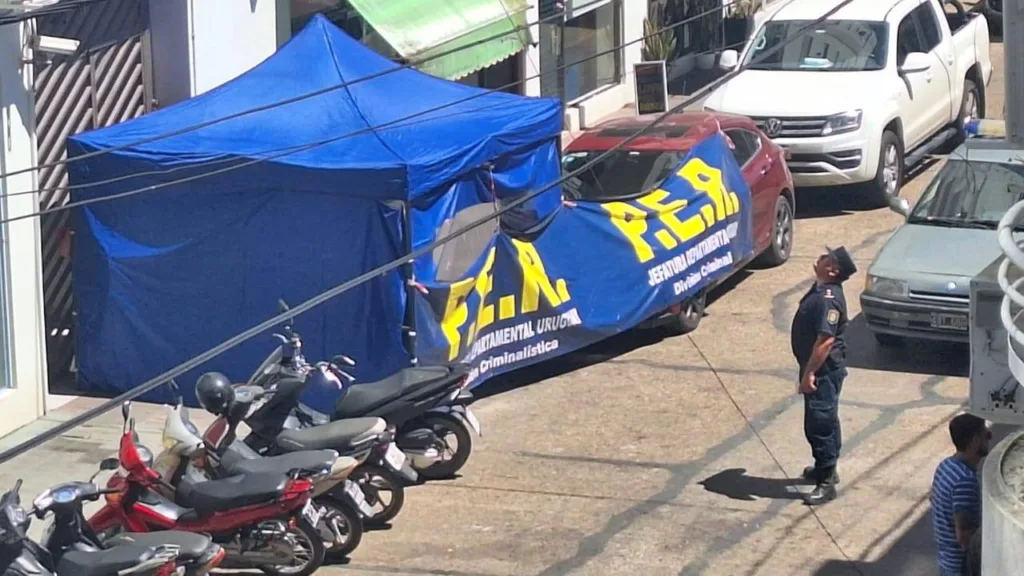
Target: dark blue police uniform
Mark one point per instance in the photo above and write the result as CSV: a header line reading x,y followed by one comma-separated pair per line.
x,y
822,311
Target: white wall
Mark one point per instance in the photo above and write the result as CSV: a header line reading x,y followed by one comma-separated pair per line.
x,y
26,365
229,38
201,44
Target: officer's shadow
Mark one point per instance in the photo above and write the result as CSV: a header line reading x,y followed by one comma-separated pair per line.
x,y
736,484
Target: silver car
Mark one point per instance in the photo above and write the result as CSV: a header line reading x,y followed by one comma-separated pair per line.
x,y
918,286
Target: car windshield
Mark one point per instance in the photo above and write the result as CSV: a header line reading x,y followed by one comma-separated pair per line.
x,y
970,195
622,173
832,46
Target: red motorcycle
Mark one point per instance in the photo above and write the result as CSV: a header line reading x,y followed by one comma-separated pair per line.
x,y
264,521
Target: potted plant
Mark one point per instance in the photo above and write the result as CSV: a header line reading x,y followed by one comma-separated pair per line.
x,y
739,24
658,45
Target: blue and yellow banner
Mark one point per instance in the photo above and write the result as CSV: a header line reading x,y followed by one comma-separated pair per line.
x,y
597,269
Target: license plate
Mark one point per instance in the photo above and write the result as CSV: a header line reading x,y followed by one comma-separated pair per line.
x,y
950,322
394,457
358,498
471,418
312,512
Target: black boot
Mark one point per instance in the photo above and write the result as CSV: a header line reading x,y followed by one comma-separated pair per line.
x,y
811,475
825,491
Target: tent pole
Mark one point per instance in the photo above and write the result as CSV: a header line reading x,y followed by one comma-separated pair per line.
x,y
409,325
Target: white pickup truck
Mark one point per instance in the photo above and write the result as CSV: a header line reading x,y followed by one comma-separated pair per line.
x,y
867,93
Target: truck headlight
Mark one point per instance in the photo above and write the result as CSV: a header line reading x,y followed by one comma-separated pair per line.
x,y
845,122
885,286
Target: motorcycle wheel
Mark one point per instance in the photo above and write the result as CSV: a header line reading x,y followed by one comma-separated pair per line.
x,y
446,426
312,552
349,524
384,492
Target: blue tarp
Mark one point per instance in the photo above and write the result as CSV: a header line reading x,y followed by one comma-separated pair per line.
x,y
162,276
596,269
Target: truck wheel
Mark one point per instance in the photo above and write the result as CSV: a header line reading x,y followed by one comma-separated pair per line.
x,y
970,108
889,176
777,252
689,317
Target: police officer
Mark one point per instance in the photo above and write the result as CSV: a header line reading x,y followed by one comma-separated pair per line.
x,y
818,339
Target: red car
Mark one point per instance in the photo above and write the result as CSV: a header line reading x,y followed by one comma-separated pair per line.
x,y
642,164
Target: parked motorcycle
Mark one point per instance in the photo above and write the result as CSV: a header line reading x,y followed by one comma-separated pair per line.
x,y
20,556
265,521
427,406
383,466
186,455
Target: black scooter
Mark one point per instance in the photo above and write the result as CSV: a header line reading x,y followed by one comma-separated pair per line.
x,y
427,407
70,548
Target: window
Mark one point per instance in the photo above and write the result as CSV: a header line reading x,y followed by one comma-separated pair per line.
x,y
907,39
622,174
746,145
970,195
587,46
931,35
833,45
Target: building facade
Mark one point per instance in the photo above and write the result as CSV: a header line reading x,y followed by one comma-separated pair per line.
x,y
570,55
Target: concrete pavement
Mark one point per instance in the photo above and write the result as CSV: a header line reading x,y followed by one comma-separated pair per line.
x,y
658,457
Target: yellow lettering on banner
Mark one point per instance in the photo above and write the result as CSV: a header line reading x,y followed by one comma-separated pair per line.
x,y
456,310
684,231
631,221
536,281
706,179
484,285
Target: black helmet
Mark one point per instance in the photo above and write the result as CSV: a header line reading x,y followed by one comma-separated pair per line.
x,y
214,392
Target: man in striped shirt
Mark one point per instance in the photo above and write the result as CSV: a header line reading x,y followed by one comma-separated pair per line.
x,y
956,493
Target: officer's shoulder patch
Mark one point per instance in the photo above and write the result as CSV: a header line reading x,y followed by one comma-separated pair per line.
x,y
829,293
833,316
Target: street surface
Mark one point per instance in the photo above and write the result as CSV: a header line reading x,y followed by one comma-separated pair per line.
x,y
638,456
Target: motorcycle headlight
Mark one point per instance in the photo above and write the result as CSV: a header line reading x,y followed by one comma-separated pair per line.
x,y
885,286
845,122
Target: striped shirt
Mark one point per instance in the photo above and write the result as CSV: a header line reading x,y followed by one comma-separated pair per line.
x,y
954,490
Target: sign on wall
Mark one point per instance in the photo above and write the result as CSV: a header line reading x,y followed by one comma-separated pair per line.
x,y
651,84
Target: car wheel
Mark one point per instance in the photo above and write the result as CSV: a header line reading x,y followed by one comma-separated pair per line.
x,y
781,243
889,176
889,339
689,317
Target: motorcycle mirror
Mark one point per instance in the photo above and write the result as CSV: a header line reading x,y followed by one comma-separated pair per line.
x,y
343,360
282,305
17,486
109,464
126,410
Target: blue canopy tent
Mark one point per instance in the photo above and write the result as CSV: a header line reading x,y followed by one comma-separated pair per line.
x,y
162,276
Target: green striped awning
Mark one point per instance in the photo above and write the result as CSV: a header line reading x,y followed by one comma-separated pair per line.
x,y
419,29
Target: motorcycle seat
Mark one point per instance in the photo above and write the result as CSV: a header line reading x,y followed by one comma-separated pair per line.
x,y
361,399
104,562
192,547
337,435
306,460
238,491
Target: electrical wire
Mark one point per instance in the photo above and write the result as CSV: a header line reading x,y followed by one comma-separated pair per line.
x,y
319,299
301,97
282,152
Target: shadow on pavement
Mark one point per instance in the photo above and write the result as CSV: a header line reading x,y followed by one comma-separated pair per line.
x,y
596,353
913,356
734,483
913,554
844,200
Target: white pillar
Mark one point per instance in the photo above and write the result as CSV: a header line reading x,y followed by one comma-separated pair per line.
x,y
1013,56
21,316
